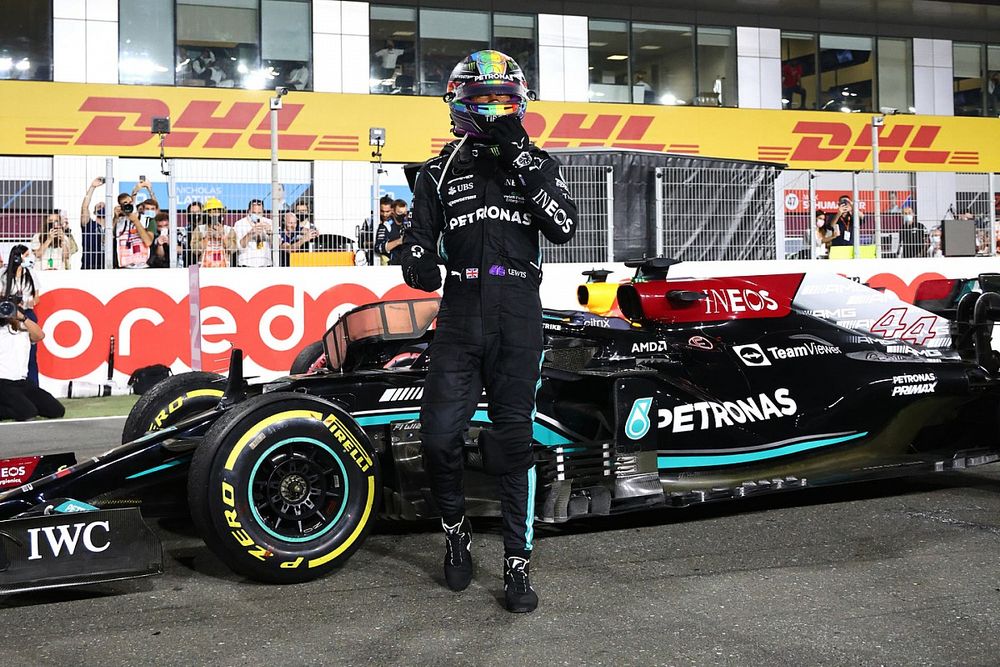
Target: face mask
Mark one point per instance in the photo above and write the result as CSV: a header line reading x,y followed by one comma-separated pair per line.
x,y
214,219
254,217
149,213
302,217
907,217
28,262
194,218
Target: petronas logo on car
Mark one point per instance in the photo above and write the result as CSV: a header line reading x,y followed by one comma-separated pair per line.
x,y
637,424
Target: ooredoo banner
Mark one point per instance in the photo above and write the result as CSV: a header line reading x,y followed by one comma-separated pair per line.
x,y
271,314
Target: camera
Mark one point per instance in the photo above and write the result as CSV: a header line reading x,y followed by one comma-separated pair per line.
x,y
9,306
127,208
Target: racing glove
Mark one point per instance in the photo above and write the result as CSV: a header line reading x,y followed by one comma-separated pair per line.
x,y
514,148
420,269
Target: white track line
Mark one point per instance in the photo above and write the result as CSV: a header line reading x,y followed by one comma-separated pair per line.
x,y
60,421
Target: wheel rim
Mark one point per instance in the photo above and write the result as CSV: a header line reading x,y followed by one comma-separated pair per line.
x,y
298,490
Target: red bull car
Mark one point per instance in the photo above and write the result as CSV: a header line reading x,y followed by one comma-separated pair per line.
x,y
668,392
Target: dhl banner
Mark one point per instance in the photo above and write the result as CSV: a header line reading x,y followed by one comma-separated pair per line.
x,y
44,118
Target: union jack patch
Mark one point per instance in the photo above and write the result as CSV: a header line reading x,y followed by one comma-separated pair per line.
x,y
471,274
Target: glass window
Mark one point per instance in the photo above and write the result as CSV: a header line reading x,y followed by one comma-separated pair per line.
x,y
26,40
608,55
145,56
993,83
217,45
286,43
663,64
967,63
393,40
514,34
716,67
847,73
799,83
446,37
895,74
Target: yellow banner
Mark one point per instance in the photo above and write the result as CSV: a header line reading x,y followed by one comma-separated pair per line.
x,y
81,119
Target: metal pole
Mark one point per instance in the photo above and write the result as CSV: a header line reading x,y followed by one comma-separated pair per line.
x,y
376,210
855,235
659,212
812,215
992,203
110,221
172,212
275,185
609,179
877,122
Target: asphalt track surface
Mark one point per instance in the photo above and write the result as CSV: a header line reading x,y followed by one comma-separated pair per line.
x,y
899,573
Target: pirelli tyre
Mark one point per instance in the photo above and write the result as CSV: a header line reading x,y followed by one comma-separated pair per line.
x,y
175,398
307,357
284,487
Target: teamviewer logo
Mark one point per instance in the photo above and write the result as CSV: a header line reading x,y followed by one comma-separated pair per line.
x,y
751,355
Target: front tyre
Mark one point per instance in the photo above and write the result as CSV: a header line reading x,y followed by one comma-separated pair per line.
x,y
284,487
170,401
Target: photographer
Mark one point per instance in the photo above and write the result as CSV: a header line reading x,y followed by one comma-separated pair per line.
x,y
18,286
20,399
253,234
53,245
843,222
133,236
216,242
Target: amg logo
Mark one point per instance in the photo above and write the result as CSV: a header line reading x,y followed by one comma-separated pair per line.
x,y
490,213
68,537
836,314
649,346
728,413
404,394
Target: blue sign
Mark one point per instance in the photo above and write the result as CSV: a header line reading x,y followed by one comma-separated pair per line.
x,y
234,196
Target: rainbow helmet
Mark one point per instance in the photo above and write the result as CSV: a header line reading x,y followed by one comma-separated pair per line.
x,y
485,73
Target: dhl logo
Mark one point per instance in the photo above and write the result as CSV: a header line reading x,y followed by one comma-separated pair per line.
x,y
124,121
834,141
590,130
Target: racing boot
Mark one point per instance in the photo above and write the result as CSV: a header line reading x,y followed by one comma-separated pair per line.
x,y
519,596
458,554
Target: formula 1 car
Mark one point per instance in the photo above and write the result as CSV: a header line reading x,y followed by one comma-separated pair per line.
x,y
669,392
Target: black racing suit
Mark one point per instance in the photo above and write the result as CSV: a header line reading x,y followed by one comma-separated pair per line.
x,y
484,222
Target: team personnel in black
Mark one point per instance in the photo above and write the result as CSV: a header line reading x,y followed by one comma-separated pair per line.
x,y
480,205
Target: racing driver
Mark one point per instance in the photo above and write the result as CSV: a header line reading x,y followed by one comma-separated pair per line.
x,y
479,206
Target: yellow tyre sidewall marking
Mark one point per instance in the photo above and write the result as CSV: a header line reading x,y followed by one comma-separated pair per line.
x,y
162,415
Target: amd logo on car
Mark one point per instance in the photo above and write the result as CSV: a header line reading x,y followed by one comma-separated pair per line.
x,y
649,346
94,537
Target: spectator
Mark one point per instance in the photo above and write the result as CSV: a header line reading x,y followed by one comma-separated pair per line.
x,y
92,229
159,252
648,96
934,246
20,398
218,242
17,281
791,83
387,57
843,220
294,236
298,78
826,232
133,234
385,222
192,227
913,238
993,93
53,245
253,235
367,236
389,241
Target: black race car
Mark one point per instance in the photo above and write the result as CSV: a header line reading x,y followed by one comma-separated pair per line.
x,y
668,392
